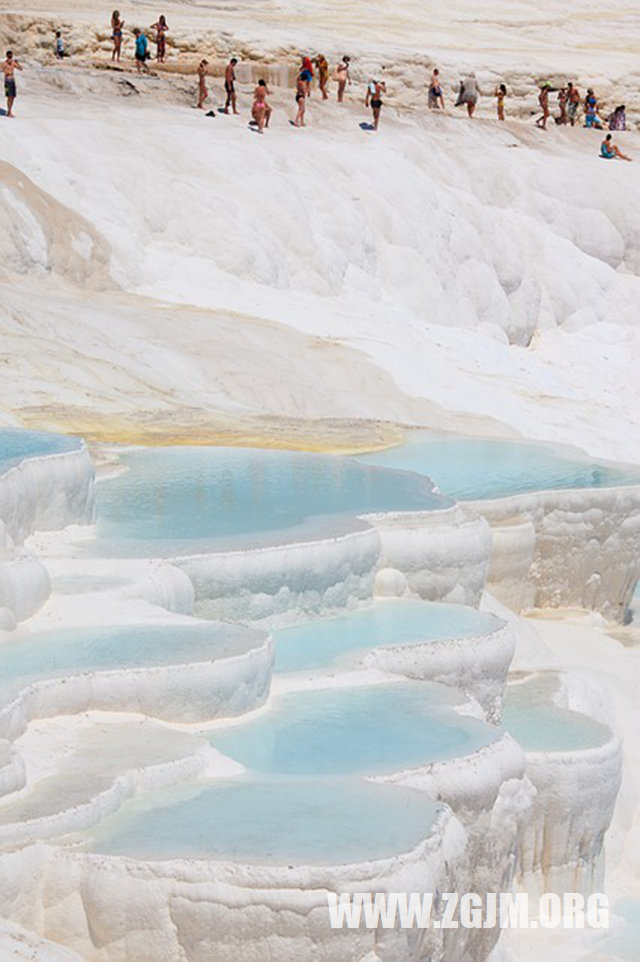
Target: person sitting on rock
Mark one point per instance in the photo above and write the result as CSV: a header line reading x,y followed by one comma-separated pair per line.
x,y
611,151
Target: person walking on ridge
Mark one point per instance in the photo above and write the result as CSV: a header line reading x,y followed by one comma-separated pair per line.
x,y
230,85
203,93
8,69
142,50
436,96
343,77
543,100
161,38
375,89
117,26
323,75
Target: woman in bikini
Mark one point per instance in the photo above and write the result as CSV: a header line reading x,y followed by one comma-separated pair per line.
x,y
301,99
323,75
261,111
342,76
161,39
116,34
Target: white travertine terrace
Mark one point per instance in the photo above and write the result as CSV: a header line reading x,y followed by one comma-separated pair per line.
x,y
476,665
508,816
565,548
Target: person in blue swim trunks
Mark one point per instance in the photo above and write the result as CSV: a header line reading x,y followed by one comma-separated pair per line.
x,y
611,151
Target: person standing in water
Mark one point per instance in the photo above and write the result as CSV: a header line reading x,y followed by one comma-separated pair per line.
x,y
261,111
161,38
610,151
301,99
500,94
230,85
8,69
117,26
375,89
543,100
436,96
343,77
323,75
203,93
142,47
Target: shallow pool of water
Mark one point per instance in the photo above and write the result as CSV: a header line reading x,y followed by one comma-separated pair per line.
x,y
52,654
184,500
539,725
311,821
16,445
338,641
373,729
465,468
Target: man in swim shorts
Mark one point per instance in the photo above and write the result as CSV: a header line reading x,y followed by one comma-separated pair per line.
x,y
573,102
375,89
436,96
8,69
230,85
142,46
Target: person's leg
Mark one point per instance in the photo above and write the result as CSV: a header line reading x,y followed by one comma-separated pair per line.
x,y
341,86
376,117
233,101
267,116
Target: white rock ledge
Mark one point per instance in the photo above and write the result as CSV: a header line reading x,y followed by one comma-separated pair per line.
x,y
197,692
477,664
584,552
113,909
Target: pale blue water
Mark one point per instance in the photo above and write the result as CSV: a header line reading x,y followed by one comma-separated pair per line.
x,y
54,654
16,445
466,469
624,942
539,725
338,641
313,821
373,729
184,500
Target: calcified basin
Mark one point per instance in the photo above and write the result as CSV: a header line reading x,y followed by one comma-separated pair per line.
x,y
311,821
539,725
372,729
186,500
16,445
467,469
345,639
56,654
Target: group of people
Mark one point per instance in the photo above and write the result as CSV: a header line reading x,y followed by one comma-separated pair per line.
x,y
568,96
142,53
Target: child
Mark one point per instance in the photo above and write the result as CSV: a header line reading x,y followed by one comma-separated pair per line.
x,y
500,94
141,50
59,46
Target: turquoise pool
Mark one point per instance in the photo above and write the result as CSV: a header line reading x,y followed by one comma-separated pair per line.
x,y
374,729
311,821
71,651
530,715
326,642
185,500
16,445
468,469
